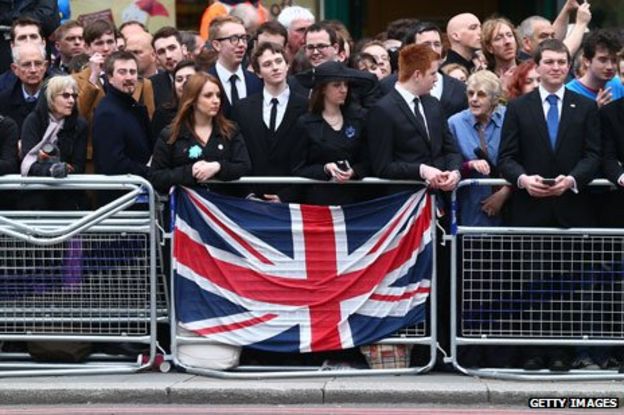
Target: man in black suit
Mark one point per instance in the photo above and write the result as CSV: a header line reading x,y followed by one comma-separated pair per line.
x,y
268,121
411,138
550,150
449,91
228,37
542,141
612,128
30,68
169,50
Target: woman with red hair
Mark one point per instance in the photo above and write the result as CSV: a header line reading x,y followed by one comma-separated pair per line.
x,y
523,80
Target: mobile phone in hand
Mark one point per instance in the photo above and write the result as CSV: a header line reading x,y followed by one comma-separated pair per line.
x,y
343,165
549,182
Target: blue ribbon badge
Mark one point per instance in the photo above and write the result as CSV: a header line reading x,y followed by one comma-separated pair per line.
x,y
195,152
350,131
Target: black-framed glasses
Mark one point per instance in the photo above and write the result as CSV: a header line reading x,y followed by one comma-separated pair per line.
x,y
318,46
68,95
235,39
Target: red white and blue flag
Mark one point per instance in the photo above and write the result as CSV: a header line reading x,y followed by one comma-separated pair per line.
x,y
300,278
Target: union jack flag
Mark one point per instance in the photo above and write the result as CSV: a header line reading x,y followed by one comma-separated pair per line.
x,y
300,278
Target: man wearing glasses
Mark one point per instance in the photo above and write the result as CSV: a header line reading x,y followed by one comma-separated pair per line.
x,y
169,50
29,65
228,37
321,44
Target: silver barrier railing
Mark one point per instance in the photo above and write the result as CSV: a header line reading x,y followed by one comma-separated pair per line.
x,y
422,334
79,276
552,287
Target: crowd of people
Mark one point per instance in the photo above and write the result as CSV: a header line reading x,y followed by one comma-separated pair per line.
x,y
537,104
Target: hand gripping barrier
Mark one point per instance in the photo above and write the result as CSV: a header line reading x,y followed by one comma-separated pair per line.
x,y
539,287
84,277
423,334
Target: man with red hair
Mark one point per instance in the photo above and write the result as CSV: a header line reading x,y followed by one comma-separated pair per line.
x,y
412,139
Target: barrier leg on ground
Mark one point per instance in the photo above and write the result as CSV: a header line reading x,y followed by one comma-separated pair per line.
x,y
78,289
547,288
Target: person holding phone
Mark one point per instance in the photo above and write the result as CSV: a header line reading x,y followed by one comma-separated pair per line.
x,y
332,134
550,151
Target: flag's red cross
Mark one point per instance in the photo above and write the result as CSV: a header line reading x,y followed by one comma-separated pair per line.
x,y
323,290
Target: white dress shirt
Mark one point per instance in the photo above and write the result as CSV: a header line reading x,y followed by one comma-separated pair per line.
x,y
282,99
224,76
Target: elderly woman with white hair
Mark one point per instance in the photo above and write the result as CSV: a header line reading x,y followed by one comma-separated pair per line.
x,y
478,134
54,141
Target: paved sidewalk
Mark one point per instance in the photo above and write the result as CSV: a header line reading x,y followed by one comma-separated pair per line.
x,y
179,388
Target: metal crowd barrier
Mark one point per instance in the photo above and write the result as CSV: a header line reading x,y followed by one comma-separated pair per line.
x,y
548,287
423,334
79,276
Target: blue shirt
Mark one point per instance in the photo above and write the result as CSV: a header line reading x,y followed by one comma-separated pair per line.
x,y
464,128
617,89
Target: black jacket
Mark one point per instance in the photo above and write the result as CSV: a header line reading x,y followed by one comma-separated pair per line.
x,y
121,135
453,97
318,146
163,88
8,146
72,139
270,156
13,104
525,149
398,143
173,163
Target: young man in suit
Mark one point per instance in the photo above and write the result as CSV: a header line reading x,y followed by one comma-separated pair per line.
x,y
228,37
550,133
449,91
268,121
549,151
169,50
412,139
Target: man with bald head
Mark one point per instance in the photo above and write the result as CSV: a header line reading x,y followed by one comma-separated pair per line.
x,y
140,45
464,34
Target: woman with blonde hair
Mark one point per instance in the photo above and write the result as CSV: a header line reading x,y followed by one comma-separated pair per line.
x,y
478,134
54,142
201,143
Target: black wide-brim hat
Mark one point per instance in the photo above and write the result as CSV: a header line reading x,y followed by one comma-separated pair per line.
x,y
332,71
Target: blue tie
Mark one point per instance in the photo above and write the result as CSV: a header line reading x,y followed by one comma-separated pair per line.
x,y
552,119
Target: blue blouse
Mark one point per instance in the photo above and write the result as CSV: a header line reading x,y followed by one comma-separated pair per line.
x,y
464,128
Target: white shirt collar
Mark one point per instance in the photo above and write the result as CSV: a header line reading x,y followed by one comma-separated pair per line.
x,y
544,94
26,94
282,97
225,74
405,94
436,91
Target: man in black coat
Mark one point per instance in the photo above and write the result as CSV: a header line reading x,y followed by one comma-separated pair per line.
x,y
30,68
121,128
449,91
228,37
169,50
612,128
408,133
268,122
541,141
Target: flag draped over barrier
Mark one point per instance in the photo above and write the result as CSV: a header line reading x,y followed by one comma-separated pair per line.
x,y
300,278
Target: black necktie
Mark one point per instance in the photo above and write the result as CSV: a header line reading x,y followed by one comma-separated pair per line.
x,y
273,118
419,116
234,91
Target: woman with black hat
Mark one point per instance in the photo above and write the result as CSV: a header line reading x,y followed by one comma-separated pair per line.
x,y
332,139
